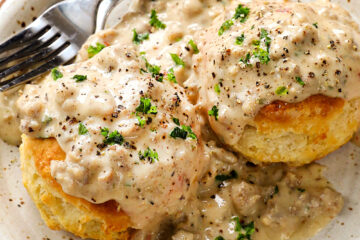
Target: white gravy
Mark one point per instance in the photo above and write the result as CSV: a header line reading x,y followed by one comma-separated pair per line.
x,y
160,164
312,49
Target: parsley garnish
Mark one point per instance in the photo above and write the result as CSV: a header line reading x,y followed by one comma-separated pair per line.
x,y
225,26
301,189
217,88
56,74
262,55
171,76
223,177
178,133
47,119
142,121
93,50
258,52
241,13
281,91
315,25
214,112
80,78
139,38
154,70
176,121
146,107
276,190
112,138
194,46
256,42
299,81
246,60
244,230
183,132
265,37
219,238
155,22
240,39
188,129
82,129
150,155
177,60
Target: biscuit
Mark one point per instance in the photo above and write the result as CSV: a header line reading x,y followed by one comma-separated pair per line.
x,y
59,210
299,133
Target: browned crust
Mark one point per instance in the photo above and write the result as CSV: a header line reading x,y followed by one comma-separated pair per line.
x,y
315,109
46,150
2,2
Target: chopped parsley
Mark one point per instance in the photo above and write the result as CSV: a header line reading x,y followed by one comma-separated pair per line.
x,y
301,190
176,121
177,60
258,52
315,25
171,76
56,74
82,129
150,155
225,26
241,13
155,22
240,39
111,138
264,35
281,91
183,132
139,38
47,119
146,107
214,111
256,42
154,70
299,81
217,88
276,190
142,121
262,55
244,230
223,177
219,238
246,60
188,129
80,78
93,50
194,46
178,133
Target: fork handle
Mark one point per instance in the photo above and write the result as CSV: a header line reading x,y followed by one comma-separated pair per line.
x,y
104,11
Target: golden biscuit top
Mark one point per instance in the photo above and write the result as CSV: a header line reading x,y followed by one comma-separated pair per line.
x,y
256,53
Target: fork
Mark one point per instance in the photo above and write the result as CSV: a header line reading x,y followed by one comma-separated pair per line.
x,y
51,40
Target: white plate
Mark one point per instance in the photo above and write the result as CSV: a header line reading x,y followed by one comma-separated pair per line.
x,y
19,219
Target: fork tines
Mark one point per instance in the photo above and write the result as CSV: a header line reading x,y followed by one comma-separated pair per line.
x,y
35,50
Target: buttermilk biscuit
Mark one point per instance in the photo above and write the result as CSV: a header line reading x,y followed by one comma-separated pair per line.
x,y
59,210
274,85
299,133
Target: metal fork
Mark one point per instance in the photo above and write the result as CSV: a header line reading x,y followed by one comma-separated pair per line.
x,y
51,40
